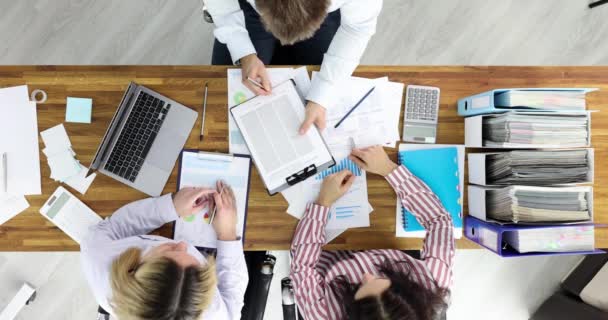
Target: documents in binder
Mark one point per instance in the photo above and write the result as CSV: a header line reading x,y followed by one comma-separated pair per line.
x,y
526,129
552,239
530,205
504,100
270,126
441,167
546,100
520,240
532,167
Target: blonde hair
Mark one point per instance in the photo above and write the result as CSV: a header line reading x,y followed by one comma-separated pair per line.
x,y
160,288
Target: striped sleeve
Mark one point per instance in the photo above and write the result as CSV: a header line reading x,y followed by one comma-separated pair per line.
x,y
306,245
419,199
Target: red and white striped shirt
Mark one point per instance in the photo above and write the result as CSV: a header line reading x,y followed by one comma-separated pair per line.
x,y
312,269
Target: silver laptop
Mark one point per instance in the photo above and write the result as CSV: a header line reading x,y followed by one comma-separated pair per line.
x,y
144,139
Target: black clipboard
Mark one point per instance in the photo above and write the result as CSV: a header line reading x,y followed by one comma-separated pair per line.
x,y
206,250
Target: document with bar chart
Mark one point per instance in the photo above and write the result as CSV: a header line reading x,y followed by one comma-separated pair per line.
x,y
350,211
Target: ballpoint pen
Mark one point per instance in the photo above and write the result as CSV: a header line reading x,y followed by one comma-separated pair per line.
x,y
354,107
204,112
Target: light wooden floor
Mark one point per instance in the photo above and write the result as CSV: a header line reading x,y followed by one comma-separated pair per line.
x,y
432,32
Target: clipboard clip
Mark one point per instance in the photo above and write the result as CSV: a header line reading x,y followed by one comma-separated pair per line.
x,y
302,175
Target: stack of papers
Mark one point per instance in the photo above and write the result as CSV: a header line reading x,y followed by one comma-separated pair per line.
x,y
538,167
374,122
557,239
529,204
61,159
19,145
515,129
350,211
544,100
239,93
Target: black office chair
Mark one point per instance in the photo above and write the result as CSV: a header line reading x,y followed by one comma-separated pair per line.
x,y
102,314
260,266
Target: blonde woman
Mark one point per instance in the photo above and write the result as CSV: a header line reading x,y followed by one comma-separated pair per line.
x,y
138,276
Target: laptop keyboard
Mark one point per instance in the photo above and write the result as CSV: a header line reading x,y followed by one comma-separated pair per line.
x,y
137,136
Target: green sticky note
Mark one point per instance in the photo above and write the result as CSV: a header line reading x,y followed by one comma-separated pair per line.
x,y
79,110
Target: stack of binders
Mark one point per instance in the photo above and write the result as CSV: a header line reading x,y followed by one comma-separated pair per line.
x,y
537,201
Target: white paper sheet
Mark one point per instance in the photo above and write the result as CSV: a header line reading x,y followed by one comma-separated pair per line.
x,y
376,119
19,140
12,95
238,93
80,182
56,138
10,206
63,166
331,234
203,172
61,159
350,211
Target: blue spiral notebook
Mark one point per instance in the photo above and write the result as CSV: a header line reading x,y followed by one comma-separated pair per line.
x,y
440,168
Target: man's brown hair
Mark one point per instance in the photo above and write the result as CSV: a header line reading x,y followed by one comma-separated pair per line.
x,y
291,21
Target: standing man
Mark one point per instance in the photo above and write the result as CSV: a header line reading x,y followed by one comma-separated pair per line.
x,y
332,33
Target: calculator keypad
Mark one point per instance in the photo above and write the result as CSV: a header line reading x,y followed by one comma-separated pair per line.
x,y
422,103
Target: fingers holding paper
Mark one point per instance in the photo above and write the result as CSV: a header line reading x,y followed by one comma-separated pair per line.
x,y
315,114
335,186
224,222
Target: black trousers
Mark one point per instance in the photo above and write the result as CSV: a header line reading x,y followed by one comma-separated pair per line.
x,y
269,48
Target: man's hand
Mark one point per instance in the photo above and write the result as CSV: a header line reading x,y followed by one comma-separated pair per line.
x,y
373,159
335,186
225,219
188,201
254,68
315,113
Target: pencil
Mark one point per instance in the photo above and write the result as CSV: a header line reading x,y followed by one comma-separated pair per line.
x,y
203,114
355,107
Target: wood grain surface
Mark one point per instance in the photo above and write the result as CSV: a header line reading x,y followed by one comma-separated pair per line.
x,y
268,226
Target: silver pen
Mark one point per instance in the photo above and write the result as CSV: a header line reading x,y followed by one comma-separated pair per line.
x,y
5,171
204,112
215,208
257,84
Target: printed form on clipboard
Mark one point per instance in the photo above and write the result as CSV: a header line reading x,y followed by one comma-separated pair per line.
x,y
270,125
204,169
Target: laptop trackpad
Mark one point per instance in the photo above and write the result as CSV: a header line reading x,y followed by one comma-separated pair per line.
x,y
165,150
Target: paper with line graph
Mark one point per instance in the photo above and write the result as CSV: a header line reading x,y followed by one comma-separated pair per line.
x,y
350,211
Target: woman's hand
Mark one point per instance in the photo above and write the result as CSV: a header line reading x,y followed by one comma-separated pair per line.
x,y
254,68
335,186
224,222
189,200
373,159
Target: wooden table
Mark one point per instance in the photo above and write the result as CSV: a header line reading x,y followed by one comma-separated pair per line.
x,y
268,226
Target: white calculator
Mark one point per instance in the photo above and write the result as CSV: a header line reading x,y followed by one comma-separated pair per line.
x,y
421,114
